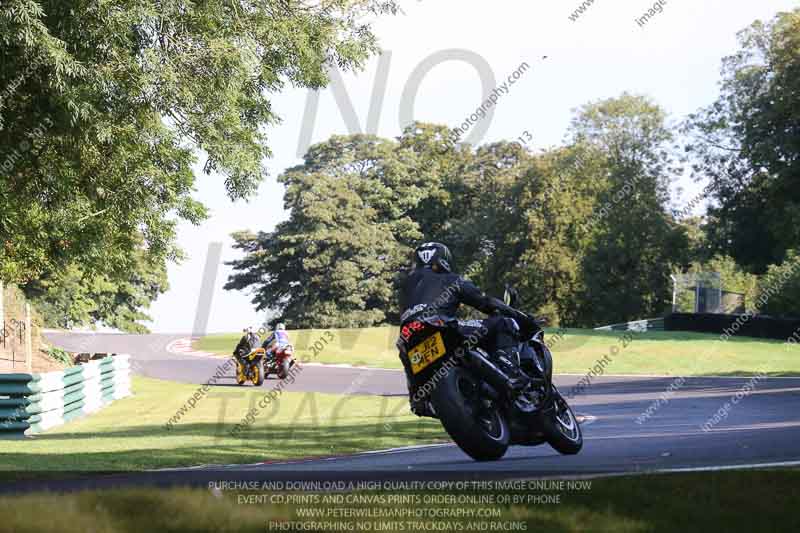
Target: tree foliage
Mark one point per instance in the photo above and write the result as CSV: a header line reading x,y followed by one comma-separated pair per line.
x,y
779,288
107,107
555,196
635,240
332,263
359,204
748,145
75,297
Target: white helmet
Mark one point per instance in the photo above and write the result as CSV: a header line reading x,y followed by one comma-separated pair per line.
x,y
281,326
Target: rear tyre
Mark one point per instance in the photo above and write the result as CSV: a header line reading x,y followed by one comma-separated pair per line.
x,y
283,370
561,428
481,432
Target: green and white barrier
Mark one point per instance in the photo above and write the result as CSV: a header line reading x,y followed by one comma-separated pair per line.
x,y
32,403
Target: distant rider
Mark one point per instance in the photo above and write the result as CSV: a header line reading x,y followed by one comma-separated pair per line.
x,y
247,343
278,340
431,288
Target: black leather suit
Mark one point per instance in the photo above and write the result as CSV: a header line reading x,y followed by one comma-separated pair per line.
x,y
424,291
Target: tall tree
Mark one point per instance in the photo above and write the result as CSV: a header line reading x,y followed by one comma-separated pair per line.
x,y
748,144
488,213
333,262
445,172
359,204
107,106
636,241
555,196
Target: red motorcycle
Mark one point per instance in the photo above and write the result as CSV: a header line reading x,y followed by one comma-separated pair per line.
x,y
279,361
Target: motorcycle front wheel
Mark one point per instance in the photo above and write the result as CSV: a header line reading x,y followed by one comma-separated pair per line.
x,y
560,427
480,430
240,377
257,376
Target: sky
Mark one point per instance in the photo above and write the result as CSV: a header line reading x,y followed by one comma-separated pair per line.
x,y
674,58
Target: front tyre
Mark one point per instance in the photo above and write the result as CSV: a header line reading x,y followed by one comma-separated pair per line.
x,y
240,376
258,376
560,427
481,431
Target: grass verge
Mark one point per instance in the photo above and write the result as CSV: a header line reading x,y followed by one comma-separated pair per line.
x,y
575,351
652,503
130,434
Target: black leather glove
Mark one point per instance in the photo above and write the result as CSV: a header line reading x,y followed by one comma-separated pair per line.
x,y
529,325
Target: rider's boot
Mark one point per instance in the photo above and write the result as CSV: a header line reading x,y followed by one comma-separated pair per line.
x,y
422,408
418,406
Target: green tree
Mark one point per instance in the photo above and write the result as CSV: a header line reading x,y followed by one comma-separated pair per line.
x,y
360,204
779,288
486,213
748,145
334,261
74,297
445,173
700,249
108,106
555,195
635,241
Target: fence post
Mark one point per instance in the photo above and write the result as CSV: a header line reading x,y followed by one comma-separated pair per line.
x,y
28,339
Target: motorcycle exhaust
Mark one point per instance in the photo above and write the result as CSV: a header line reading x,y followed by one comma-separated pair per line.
x,y
488,371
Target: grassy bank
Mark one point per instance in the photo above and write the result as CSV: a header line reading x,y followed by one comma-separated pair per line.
x,y
130,434
666,503
576,351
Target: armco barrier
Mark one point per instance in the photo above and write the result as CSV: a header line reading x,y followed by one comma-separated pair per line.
x,y
32,403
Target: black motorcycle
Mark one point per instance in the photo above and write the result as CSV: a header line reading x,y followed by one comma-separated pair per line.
x,y
487,404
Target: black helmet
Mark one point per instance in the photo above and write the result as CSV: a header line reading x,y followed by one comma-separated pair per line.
x,y
433,253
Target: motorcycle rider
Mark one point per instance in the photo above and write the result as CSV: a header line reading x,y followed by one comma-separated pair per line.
x,y
247,343
431,288
277,340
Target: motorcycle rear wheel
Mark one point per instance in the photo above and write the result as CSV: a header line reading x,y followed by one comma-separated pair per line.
x,y
283,369
481,432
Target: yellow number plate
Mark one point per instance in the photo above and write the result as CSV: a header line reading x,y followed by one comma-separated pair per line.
x,y
426,352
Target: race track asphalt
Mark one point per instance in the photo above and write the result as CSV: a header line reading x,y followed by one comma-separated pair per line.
x,y
762,426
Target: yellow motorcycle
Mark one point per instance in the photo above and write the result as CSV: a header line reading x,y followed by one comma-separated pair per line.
x,y
249,368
